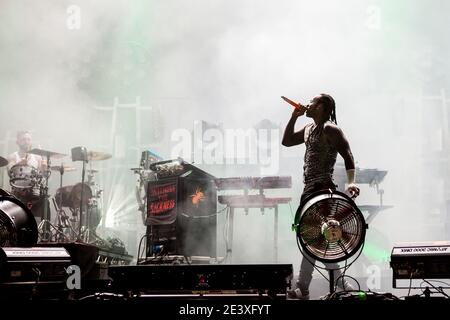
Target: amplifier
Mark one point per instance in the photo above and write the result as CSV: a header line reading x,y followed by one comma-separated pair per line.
x,y
191,279
428,260
33,264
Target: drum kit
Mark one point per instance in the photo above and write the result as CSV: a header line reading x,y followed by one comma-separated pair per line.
x,y
83,200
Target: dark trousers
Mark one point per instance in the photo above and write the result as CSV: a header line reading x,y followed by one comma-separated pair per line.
x,y
314,187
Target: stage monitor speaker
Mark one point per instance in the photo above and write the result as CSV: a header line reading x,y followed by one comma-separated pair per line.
x,y
423,260
20,265
197,218
182,210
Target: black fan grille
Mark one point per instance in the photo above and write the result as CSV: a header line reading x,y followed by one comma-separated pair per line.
x,y
310,232
8,235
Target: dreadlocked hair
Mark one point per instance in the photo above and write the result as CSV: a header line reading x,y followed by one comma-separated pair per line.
x,y
328,101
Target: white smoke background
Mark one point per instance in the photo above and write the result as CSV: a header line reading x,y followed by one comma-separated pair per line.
x,y
228,63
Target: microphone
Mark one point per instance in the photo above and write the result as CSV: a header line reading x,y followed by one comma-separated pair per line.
x,y
296,105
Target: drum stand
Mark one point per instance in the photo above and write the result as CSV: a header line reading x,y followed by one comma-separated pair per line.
x,y
85,233
45,226
91,235
88,235
61,214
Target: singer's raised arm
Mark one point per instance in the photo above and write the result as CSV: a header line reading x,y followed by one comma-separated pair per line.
x,y
291,138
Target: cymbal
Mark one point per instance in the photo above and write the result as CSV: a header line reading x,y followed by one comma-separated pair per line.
x,y
97,156
3,162
46,153
66,168
92,171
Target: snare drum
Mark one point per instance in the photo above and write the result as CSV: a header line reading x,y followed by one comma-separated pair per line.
x,y
23,176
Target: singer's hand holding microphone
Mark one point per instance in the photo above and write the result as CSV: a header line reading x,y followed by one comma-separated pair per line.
x,y
298,112
299,109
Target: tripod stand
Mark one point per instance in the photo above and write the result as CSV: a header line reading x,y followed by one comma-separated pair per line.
x,y
45,226
81,154
95,206
85,234
92,216
63,219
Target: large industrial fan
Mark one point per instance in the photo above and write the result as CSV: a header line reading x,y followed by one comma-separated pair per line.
x,y
17,224
330,228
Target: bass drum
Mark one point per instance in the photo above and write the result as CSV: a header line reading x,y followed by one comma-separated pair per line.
x,y
18,226
70,196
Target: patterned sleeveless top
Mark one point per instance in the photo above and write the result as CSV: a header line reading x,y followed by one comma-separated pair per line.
x,y
320,156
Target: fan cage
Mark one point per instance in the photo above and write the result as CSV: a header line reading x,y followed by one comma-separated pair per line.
x,y
316,211
17,224
8,234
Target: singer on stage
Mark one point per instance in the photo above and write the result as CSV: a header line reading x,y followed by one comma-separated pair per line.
x,y
323,140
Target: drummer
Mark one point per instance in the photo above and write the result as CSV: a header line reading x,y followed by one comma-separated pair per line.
x,y
30,194
24,142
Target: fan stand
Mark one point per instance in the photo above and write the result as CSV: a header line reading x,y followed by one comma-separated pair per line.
x,y
331,279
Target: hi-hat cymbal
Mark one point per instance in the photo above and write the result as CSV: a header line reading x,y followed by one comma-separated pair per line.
x,y
97,156
3,162
66,168
46,153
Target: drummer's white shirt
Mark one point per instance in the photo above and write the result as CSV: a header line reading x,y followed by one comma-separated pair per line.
x,y
32,159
